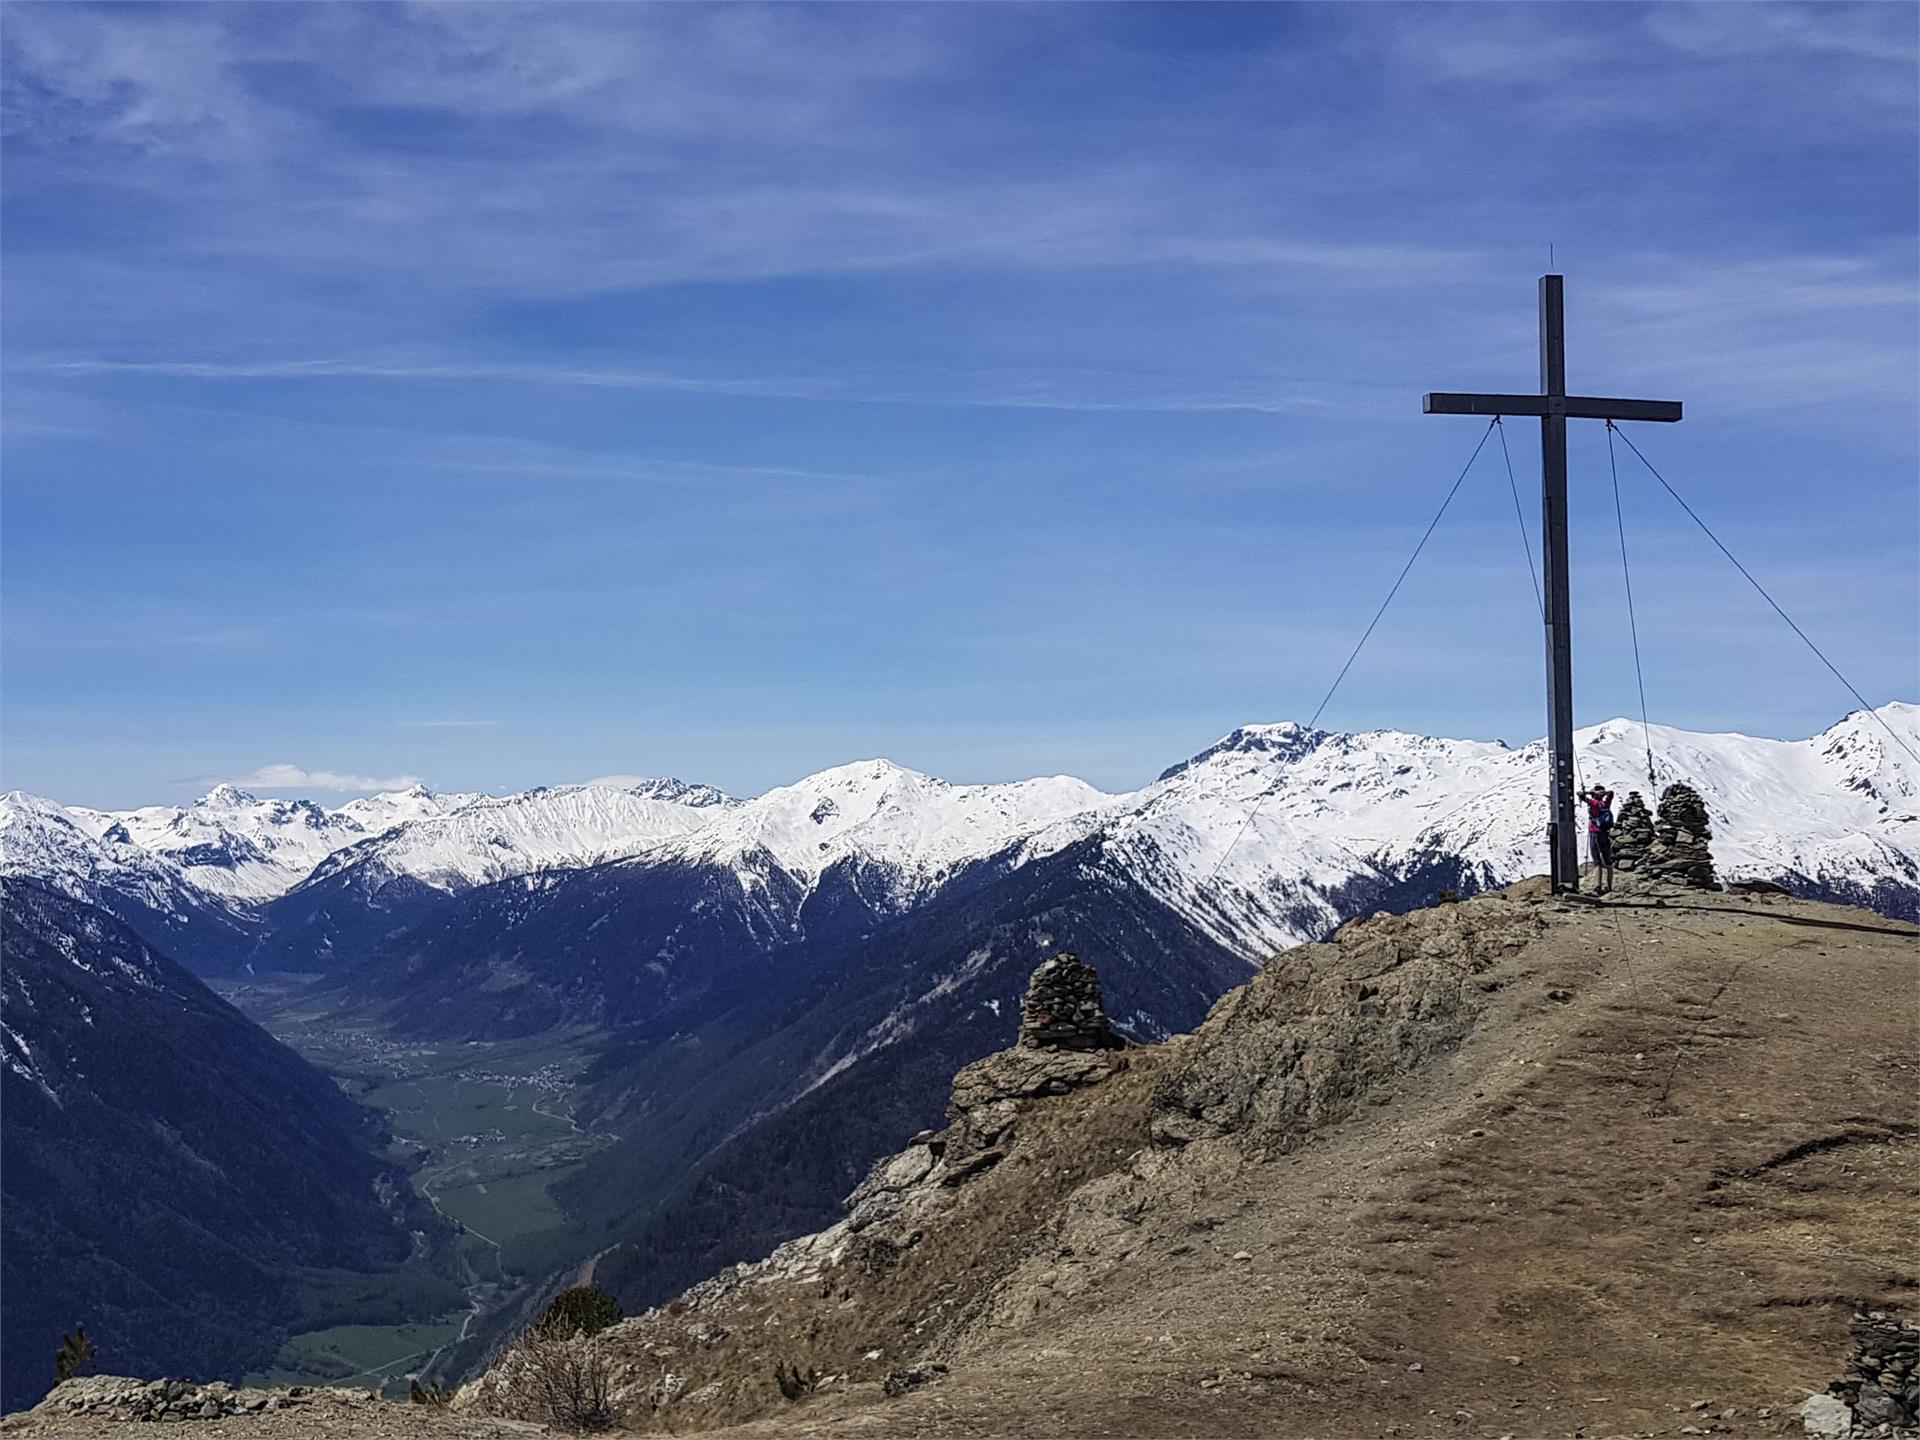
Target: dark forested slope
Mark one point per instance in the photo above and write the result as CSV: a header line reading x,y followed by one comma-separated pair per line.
x,y
168,1166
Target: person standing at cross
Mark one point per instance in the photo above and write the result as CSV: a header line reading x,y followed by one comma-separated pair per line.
x,y
1555,407
1599,803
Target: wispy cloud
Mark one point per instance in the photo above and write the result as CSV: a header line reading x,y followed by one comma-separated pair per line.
x,y
1066,389
1766,336
296,777
1869,32
448,724
428,371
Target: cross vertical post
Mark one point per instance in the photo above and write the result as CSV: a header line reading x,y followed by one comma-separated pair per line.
x,y
1555,407
1562,837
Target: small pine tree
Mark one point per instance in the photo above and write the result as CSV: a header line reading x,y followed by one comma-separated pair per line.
x,y
75,1355
582,1310
794,1382
432,1393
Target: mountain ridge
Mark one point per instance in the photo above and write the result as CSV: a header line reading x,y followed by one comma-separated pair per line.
x,y
1319,802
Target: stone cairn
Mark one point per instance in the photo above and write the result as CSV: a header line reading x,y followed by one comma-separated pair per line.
x,y
1679,853
1882,1385
1632,834
1063,1010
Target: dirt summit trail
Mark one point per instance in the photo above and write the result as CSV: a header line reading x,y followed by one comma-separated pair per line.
x,y
1520,1165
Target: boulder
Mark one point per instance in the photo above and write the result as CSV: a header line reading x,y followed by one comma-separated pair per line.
x,y
1825,1415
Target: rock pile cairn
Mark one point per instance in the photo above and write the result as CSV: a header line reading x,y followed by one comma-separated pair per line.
x,y
1063,1036
1063,1010
1881,1384
1679,854
1632,834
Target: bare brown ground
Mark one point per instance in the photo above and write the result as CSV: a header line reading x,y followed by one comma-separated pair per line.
x,y
1676,1150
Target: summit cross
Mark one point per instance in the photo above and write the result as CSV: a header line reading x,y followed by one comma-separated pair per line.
x,y
1555,407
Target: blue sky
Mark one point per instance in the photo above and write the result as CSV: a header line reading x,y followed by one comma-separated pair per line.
x,y
509,395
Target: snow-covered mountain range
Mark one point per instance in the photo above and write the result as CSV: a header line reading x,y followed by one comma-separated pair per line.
x,y
244,848
1253,839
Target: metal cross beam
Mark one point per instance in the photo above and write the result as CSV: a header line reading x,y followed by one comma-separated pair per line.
x,y
1555,407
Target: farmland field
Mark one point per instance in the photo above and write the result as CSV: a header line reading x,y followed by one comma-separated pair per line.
x,y
488,1128
365,1355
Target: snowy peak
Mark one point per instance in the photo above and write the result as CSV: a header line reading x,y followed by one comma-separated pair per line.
x,y
677,792
226,797
1258,835
1283,742
1862,756
43,842
916,825
486,839
40,839
229,842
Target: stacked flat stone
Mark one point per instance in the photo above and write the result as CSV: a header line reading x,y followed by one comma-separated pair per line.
x,y
1882,1385
1679,853
1063,1010
1632,834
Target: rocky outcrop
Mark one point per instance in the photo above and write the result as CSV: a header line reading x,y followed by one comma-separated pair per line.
x,y
120,1397
1065,1043
1632,835
1679,853
102,1405
672,1369
1308,1038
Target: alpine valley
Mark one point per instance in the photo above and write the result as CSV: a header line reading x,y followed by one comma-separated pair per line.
x,y
644,1031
